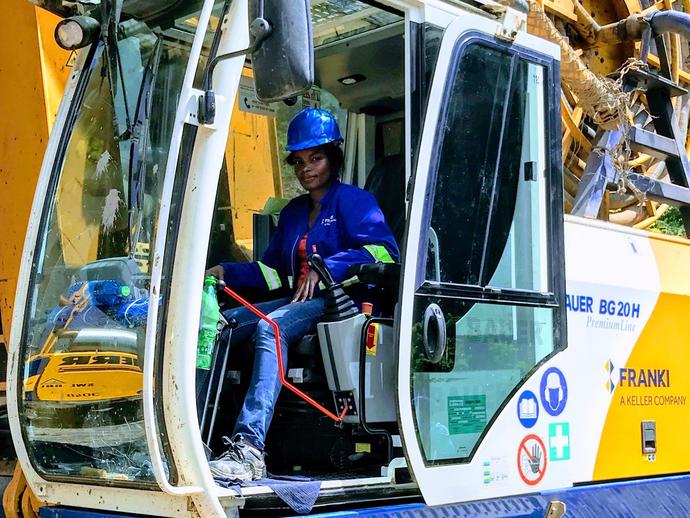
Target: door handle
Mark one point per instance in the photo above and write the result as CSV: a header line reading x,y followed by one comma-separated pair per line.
x,y
434,333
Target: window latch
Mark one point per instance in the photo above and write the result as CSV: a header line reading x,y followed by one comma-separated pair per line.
x,y
530,171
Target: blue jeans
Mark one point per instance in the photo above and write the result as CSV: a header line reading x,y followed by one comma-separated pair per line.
x,y
294,321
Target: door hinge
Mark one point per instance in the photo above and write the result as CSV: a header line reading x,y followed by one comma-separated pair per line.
x,y
513,22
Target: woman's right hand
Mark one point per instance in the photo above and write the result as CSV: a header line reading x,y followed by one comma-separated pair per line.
x,y
217,271
306,290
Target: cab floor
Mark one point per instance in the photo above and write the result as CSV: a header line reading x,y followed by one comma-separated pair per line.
x,y
339,475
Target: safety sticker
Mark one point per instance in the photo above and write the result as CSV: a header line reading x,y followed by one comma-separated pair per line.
x,y
559,441
531,460
495,471
372,339
249,102
466,414
528,409
553,391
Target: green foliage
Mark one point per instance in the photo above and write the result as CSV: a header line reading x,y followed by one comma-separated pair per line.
x,y
670,223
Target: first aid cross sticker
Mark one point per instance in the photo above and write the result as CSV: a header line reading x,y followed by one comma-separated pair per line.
x,y
559,441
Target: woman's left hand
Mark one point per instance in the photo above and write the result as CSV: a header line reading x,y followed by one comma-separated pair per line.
x,y
306,290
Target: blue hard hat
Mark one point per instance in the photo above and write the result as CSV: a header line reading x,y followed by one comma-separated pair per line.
x,y
312,127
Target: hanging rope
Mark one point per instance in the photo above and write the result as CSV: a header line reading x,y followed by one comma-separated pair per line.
x,y
601,98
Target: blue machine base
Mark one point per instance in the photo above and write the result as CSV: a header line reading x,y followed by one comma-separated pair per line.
x,y
658,497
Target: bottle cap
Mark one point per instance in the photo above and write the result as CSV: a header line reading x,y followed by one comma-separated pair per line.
x,y
367,308
210,280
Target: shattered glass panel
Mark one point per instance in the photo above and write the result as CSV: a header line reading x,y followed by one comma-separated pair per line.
x,y
335,20
88,304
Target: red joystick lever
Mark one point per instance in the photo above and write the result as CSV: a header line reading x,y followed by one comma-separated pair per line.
x,y
285,383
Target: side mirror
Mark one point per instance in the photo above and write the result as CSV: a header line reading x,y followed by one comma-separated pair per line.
x,y
284,62
281,50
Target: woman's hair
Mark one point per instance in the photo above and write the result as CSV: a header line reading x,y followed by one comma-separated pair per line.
x,y
333,152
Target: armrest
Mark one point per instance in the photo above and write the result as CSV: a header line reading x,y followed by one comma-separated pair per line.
x,y
385,275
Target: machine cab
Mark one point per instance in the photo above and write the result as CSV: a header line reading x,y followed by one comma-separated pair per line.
x,y
450,120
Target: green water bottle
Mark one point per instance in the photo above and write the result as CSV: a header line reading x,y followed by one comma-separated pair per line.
x,y
209,324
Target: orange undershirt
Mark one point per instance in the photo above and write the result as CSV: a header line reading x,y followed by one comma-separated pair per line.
x,y
302,261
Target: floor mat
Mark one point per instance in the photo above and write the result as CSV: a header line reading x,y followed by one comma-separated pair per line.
x,y
300,493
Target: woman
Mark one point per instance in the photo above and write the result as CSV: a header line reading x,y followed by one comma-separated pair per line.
x,y
340,222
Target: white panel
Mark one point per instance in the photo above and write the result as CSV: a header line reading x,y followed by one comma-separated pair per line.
x,y
187,278
600,265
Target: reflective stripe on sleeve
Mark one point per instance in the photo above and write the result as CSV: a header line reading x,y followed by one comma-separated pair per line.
x,y
379,253
270,276
350,281
347,282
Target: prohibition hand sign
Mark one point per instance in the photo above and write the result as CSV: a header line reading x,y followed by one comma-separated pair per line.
x,y
534,459
531,459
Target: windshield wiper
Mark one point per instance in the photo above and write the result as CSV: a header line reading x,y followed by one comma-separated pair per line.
x,y
139,137
111,11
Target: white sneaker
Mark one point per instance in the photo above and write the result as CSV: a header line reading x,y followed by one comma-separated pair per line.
x,y
241,461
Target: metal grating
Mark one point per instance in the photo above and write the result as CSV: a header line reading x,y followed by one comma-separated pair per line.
x,y
335,20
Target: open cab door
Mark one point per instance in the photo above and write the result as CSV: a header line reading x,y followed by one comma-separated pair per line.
x,y
483,276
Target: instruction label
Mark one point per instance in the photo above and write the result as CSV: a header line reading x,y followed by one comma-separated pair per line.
x,y
372,339
528,409
495,470
466,414
248,101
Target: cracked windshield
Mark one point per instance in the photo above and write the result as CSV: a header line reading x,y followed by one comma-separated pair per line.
x,y
89,301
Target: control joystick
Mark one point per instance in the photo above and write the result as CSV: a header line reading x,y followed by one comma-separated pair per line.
x,y
339,305
317,264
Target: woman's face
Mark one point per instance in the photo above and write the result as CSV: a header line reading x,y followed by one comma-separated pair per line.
x,y
312,168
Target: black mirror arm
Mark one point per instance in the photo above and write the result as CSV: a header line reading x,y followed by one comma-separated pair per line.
x,y
259,29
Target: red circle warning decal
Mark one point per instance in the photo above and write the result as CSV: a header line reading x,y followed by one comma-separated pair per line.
x,y
531,459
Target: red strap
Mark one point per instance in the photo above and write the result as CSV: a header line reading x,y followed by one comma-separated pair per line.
x,y
285,383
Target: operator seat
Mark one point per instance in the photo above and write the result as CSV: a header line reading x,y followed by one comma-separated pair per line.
x,y
386,181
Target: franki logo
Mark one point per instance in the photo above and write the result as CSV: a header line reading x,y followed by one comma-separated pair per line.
x,y
630,377
644,377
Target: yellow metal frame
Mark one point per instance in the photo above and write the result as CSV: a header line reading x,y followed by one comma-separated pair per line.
x,y
33,74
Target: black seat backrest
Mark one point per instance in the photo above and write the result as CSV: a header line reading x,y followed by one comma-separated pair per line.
x,y
386,181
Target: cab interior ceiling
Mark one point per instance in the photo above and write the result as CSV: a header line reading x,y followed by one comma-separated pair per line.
x,y
377,56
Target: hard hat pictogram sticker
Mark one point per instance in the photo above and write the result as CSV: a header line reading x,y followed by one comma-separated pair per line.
x,y
553,390
531,460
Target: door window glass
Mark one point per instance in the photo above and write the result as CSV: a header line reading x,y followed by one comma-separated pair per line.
x,y
490,184
489,349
